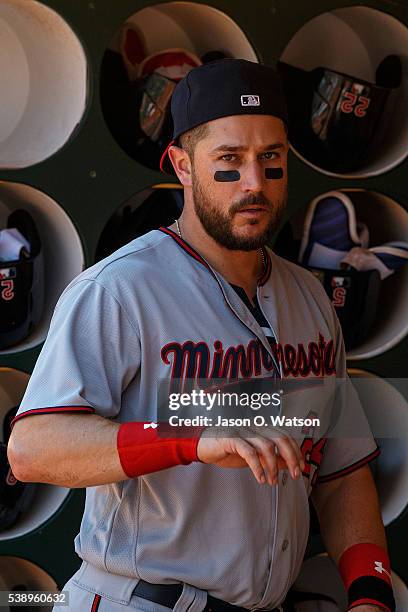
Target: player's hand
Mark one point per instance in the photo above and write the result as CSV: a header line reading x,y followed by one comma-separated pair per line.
x,y
264,456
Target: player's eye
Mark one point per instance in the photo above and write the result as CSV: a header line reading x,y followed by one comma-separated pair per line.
x,y
270,155
228,157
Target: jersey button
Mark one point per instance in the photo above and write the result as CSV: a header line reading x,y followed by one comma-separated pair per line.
x,y
284,478
285,544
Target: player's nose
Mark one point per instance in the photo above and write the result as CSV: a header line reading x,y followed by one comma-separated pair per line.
x,y
253,176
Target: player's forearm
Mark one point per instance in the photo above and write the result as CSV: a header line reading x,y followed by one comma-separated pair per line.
x,y
349,512
354,536
88,450
65,449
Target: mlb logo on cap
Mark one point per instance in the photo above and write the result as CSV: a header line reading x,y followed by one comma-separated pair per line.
x,y
250,101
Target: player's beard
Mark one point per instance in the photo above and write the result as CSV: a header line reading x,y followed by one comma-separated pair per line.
x,y
219,226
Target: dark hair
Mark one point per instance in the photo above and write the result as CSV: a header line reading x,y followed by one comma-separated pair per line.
x,y
188,141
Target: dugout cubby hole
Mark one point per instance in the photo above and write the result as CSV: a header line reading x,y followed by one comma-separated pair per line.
x,y
386,410
44,499
155,206
62,250
196,28
17,574
387,221
44,82
353,41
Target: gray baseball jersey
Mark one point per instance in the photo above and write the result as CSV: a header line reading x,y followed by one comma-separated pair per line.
x,y
156,310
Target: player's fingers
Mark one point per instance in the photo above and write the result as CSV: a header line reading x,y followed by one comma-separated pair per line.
x,y
250,454
298,452
268,457
270,478
279,434
296,449
289,454
281,463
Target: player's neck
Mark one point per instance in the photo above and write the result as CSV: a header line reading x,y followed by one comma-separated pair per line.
x,y
241,268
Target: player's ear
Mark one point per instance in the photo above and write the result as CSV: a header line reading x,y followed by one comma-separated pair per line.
x,y
181,164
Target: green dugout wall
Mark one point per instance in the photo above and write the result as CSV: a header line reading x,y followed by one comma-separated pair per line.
x,y
59,160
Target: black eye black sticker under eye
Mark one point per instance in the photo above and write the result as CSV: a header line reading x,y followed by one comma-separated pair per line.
x,y
273,173
226,176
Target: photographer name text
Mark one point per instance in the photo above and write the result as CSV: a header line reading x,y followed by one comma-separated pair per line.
x,y
257,421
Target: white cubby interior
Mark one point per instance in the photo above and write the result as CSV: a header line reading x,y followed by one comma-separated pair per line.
x,y
387,413
44,82
199,28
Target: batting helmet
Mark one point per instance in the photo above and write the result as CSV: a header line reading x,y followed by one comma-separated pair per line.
x,y
21,278
334,117
137,111
330,232
143,212
354,296
15,496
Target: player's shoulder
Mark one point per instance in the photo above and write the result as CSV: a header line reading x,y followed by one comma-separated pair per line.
x,y
299,280
129,265
298,274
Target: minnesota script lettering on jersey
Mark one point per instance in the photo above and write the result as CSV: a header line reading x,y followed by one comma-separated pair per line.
x,y
196,360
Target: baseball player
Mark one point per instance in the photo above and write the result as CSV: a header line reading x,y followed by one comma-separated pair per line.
x,y
168,522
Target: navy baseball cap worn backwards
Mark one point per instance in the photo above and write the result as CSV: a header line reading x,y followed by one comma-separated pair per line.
x,y
220,89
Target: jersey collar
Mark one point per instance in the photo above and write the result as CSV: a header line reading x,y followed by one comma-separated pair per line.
x,y
193,253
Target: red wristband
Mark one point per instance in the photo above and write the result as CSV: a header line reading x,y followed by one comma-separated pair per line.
x,y
366,573
142,451
364,560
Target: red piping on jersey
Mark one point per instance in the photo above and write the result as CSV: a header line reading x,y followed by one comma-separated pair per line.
x,y
95,603
350,468
189,249
52,409
185,246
